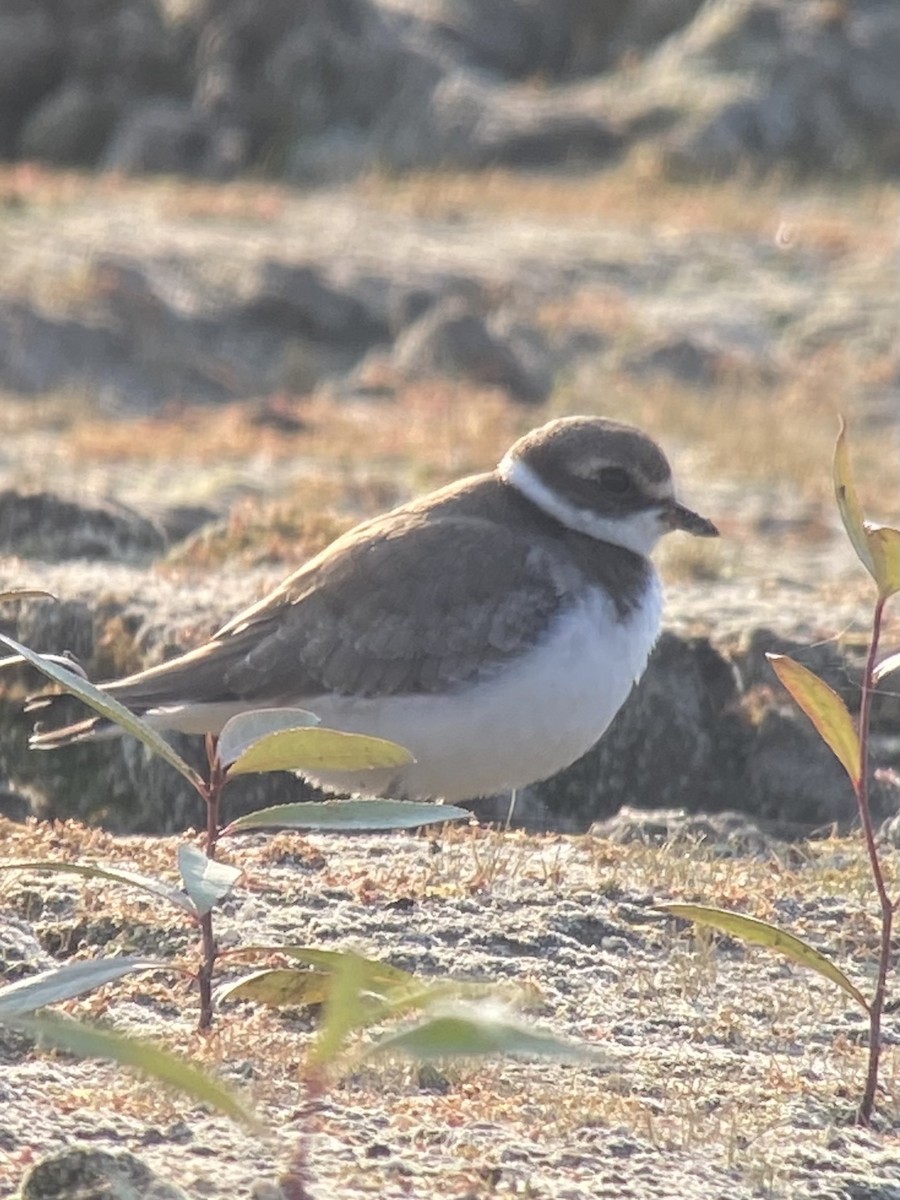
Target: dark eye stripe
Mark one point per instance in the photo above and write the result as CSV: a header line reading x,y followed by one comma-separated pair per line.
x,y
616,481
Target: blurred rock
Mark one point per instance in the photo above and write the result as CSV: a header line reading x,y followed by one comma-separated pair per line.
x,y
44,526
180,521
813,88
54,627
300,299
793,777
70,127
472,122
453,341
517,39
727,834
85,67
688,360
159,136
87,1173
32,50
15,807
324,91
146,332
703,358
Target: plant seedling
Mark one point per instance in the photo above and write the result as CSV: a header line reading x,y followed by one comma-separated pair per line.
x,y
878,549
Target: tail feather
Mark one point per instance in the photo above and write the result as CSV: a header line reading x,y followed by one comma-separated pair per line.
x,y
195,685
194,677
88,730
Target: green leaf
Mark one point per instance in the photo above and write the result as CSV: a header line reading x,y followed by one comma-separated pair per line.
x,y
362,992
877,546
155,887
886,667
107,707
279,987
348,815
471,1031
848,502
884,545
330,960
343,1010
825,709
88,1042
380,976
761,933
386,991
240,733
206,881
319,749
64,983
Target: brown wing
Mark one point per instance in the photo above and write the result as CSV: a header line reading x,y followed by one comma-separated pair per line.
x,y
387,616
380,615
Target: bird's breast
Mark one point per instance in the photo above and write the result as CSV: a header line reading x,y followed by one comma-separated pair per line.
x,y
540,713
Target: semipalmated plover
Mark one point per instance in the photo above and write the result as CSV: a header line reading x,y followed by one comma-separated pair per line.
x,y
493,628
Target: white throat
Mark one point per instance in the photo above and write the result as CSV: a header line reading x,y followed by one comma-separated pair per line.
x,y
638,532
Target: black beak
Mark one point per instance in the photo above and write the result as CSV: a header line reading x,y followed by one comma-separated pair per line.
x,y
679,517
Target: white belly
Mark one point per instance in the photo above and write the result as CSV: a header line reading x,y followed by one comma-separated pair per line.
x,y
538,716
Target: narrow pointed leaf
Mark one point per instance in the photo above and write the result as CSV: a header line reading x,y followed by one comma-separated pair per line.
x,y
761,933
206,881
825,709
848,502
472,1033
64,983
89,1042
381,979
279,987
107,707
385,992
886,667
348,816
155,887
317,750
400,990
240,733
380,975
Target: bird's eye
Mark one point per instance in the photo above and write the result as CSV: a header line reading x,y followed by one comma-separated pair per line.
x,y
615,480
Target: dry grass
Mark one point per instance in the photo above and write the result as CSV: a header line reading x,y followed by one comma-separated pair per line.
x,y
35,186
438,430
830,219
635,195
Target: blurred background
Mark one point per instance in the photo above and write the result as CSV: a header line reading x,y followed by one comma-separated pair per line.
x,y
270,266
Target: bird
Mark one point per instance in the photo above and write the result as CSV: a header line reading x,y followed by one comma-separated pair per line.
x,y
493,627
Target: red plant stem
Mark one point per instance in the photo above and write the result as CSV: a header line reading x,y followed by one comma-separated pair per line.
x,y
212,795
876,1008
296,1181
205,973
